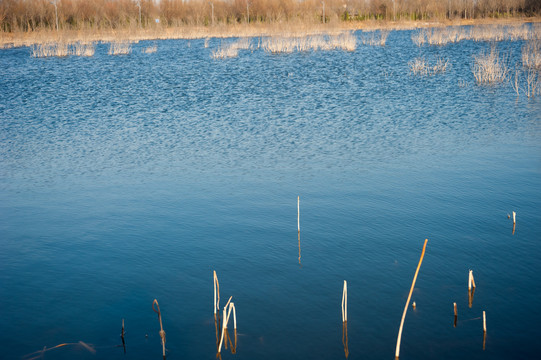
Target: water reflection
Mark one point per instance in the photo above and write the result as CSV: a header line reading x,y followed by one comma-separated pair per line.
x,y
470,297
299,238
345,338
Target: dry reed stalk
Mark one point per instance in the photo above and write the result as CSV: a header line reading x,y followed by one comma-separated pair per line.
x,y
345,302
206,42
488,33
162,333
298,215
471,281
456,313
518,32
226,314
216,293
484,322
514,217
489,68
120,48
397,352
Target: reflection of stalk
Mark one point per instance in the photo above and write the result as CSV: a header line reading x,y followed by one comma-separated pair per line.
x,y
122,336
470,297
162,333
407,302
345,338
299,237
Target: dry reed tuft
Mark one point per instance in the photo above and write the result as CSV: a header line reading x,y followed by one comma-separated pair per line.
x,y
420,66
232,49
288,44
84,49
58,49
529,84
531,54
376,38
120,48
490,68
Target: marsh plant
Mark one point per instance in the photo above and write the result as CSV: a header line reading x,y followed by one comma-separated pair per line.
x,y
58,49
375,38
527,82
232,49
489,68
120,48
531,54
84,48
420,66
288,44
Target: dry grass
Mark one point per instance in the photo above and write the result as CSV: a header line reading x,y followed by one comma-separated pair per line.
x,y
419,66
531,54
120,48
231,50
490,68
288,44
529,83
58,49
375,38
84,49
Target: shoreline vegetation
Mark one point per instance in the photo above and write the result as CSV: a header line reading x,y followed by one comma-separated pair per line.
x,y
40,22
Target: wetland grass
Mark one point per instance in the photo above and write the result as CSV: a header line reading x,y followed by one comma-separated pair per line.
x,y
420,66
119,48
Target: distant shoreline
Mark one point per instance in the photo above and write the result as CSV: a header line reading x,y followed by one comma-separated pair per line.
x,y
19,39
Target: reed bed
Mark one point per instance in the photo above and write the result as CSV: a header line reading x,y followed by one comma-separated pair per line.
x,y
420,66
231,50
531,54
453,34
52,49
120,48
489,68
287,44
375,38
84,49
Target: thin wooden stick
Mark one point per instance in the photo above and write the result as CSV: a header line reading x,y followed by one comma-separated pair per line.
x,y
345,302
484,322
471,281
408,301
456,314
298,214
216,292
162,333
225,319
514,217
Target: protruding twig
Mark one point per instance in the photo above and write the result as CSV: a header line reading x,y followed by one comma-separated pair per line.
x,y
456,314
162,333
216,294
397,352
345,302
226,314
484,322
298,214
471,281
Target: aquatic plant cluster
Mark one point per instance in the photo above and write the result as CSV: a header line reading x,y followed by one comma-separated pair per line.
x,y
64,48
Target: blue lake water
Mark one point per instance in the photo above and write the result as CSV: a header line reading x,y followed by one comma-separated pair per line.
x,y
129,178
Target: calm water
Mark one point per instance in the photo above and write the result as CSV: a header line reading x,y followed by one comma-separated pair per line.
x,y
129,178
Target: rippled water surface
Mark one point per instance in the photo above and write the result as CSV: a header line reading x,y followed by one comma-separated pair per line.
x,y
129,178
